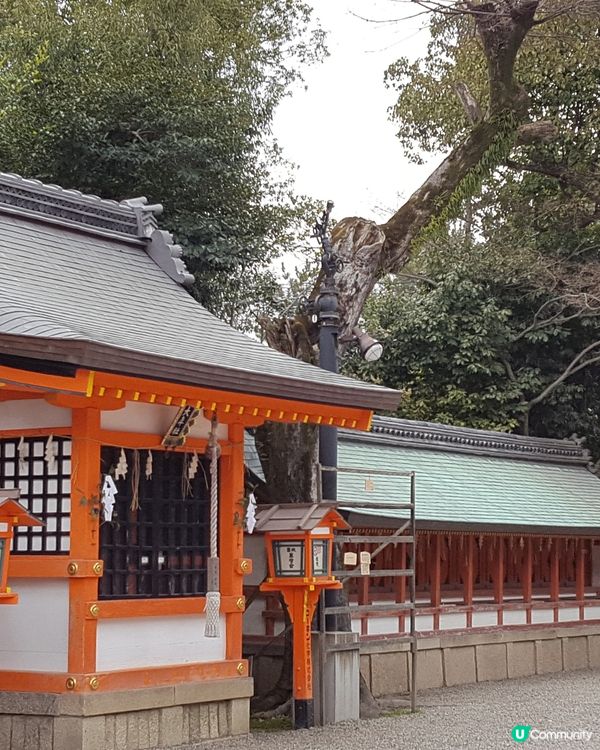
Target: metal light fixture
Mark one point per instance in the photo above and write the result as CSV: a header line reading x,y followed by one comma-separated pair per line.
x,y
370,348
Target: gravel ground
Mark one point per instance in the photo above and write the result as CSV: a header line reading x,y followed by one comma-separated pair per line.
x,y
478,716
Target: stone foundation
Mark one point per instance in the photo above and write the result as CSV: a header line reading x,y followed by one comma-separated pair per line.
x,y
144,719
477,657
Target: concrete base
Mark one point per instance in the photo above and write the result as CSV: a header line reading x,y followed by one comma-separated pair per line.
x,y
161,717
477,657
341,679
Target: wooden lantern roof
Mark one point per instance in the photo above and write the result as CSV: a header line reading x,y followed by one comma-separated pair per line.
x,y
11,511
295,517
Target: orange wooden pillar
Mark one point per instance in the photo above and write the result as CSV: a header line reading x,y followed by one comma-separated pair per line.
x,y
499,578
436,579
84,566
554,577
527,577
231,542
580,576
401,583
469,577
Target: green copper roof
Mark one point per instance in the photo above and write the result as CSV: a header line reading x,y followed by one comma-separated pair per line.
x,y
472,477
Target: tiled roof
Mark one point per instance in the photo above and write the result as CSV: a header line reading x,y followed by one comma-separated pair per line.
x,y
95,297
472,478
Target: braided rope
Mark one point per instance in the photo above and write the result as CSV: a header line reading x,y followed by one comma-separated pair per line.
x,y
213,595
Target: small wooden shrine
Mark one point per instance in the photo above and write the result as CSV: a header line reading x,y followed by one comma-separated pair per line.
x,y
123,405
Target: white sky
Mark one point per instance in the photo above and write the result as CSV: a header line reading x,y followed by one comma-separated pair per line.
x,y
335,126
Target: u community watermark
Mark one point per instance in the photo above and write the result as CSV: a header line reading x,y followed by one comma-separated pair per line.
x,y
524,732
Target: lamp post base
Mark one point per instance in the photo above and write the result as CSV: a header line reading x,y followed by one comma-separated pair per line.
x,y
304,713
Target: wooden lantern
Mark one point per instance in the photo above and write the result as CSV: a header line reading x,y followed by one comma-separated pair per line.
x,y
299,547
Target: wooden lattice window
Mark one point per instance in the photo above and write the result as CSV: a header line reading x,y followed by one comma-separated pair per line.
x,y
45,492
160,548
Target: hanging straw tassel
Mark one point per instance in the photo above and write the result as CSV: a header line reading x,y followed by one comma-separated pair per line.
x,y
213,595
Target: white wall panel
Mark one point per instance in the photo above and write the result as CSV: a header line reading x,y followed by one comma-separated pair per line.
x,y
152,419
515,617
382,625
34,633
484,619
27,414
592,613
542,615
156,641
568,614
453,620
423,622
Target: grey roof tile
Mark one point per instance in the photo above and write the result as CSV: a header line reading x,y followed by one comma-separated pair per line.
x,y
470,487
101,302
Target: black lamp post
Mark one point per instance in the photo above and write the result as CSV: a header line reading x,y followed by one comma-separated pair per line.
x,y
328,321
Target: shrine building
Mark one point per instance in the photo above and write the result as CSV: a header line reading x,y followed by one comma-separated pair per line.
x,y
507,563
114,384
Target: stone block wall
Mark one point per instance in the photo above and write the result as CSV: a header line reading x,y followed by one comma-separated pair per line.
x,y
143,719
477,657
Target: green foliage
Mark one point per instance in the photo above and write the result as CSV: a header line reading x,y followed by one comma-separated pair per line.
x,y
171,99
509,297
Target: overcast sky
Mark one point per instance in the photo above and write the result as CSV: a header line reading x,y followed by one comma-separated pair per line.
x,y
335,126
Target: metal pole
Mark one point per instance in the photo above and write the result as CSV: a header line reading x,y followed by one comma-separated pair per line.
x,y
328,321
412,583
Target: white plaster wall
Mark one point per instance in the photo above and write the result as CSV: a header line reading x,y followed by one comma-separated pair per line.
x,y
592,613
25,414
151,419
156,641
355,625
453,620
542,615
484,619
34,633
382,625
515,617
568,614
424,622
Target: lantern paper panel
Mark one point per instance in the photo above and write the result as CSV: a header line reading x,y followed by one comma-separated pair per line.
x,y
288,557
320,558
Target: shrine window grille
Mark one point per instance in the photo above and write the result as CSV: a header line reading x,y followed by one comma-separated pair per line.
x,y
45,487
157,543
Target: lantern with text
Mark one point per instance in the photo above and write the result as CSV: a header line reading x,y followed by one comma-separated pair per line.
x,y
299,547
12,514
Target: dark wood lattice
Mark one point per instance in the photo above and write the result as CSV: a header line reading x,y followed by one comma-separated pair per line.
x,y
45,493
160,549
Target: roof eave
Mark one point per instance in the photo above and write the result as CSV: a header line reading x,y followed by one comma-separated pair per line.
x,y
94,356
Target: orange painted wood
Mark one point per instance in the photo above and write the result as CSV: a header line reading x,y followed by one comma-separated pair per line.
x,y
68,401
527,575
118,609
400,555
55,682
50,566
79,384
555,575
231,533
84,539
580,574
274,409
148,677
436,578
469,576
37,432
499,577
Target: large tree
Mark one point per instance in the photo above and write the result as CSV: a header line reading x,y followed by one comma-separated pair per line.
x,y
172,99
497,324
474,96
